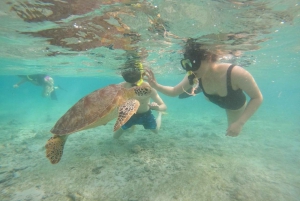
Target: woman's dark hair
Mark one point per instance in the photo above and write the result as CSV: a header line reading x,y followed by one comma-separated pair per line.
x,y
131,71
194,50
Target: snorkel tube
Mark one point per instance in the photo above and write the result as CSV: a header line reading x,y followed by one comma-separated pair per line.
x,y
140,67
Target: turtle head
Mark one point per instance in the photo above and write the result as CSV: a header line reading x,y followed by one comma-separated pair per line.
x,y
139,91
142,90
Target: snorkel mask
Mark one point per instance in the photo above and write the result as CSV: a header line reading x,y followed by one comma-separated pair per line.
x,y
192,56
190,66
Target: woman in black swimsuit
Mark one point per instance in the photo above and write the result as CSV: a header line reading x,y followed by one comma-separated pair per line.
x,y
222,83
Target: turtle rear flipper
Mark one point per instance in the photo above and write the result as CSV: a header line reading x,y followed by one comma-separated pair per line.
x,y
54,148
125,112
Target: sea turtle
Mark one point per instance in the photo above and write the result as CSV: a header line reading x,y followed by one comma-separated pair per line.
x,y
95,109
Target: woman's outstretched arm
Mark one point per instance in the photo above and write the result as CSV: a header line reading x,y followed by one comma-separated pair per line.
x,y
167,90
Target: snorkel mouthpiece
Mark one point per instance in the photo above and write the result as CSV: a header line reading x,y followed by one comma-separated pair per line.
x,y
191,77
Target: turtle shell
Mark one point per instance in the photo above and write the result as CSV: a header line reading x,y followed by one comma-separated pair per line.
x,y
95,109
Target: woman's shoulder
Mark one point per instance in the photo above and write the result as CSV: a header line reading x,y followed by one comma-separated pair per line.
x,y
225,65
235,69
240,75
238,70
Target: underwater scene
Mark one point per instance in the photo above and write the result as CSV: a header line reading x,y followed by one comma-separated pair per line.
x,y
137,100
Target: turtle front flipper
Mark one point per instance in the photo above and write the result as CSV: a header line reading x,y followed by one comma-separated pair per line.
x,y
125,112
54,148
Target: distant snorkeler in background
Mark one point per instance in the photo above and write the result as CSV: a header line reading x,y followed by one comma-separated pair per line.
x,y
43,80
224,84
133,76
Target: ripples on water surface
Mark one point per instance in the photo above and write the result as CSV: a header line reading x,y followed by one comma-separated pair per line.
x,y
68,37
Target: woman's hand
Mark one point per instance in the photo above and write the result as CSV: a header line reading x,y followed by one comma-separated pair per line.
x,y
150,78
234,129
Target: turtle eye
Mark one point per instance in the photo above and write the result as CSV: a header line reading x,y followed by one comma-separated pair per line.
x,y
147,90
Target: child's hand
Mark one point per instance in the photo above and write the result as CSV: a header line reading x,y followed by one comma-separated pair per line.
x,y
154,106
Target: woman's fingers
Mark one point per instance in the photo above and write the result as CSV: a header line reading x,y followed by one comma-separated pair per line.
x,y
150,74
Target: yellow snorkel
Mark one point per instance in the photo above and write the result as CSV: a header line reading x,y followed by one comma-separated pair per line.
x,y
140,67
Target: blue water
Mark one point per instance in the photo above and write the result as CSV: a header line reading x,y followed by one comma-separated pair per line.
x,y
190,158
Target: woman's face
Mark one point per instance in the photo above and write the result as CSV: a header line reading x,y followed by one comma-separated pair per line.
x,y
197,72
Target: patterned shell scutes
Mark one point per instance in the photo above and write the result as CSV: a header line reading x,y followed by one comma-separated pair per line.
x,y
89,109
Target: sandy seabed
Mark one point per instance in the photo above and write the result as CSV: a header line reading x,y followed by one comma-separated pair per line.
x,y
185,161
